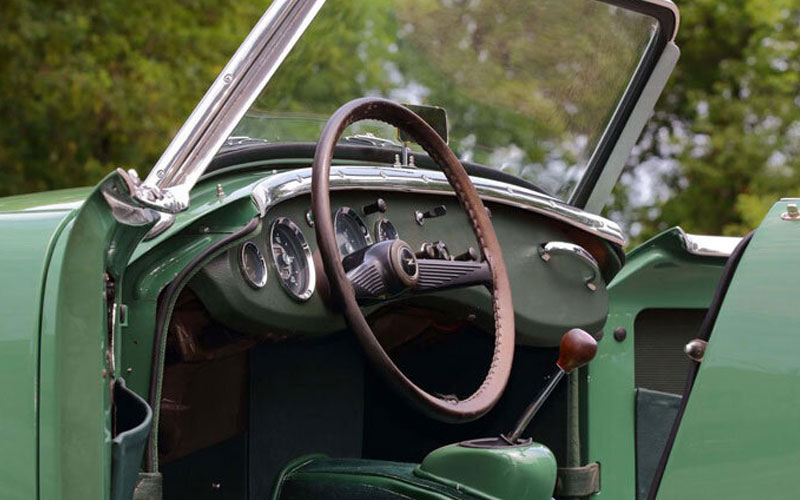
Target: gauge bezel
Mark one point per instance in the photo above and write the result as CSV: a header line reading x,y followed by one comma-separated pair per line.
x,y
312,275
359,221
262,262
377,230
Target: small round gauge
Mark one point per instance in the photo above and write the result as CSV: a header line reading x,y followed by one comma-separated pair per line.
x,y
291,256
385,230
253,265
351,233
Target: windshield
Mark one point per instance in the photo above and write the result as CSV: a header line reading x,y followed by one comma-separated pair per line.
x,y
528,86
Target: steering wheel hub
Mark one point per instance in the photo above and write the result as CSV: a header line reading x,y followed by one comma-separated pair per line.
x,y
404,263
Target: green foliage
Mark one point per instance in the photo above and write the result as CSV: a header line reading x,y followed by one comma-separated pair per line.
x,y
522,82
729,120
88,86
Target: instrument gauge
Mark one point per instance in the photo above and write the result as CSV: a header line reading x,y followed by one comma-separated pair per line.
x,y
385,230
351,232
292,259
253,265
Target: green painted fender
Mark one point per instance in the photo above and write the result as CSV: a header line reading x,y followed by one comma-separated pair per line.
x,y
739,437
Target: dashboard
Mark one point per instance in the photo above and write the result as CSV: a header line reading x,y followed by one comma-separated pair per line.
x,y
273,283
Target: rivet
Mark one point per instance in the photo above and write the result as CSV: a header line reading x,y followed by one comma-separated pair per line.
x,y
620,334
599,335
309,218
591,286
220,191
216,486
228,78
105,373
129,370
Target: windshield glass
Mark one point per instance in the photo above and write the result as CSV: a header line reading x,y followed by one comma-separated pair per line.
x,y
528,86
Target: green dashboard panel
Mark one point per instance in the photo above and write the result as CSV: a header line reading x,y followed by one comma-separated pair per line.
x,y
549,297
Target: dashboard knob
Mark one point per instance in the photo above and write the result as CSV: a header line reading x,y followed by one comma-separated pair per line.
x,y
378,206
427,251
440,250
470,254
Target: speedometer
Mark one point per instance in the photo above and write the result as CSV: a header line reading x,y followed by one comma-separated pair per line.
x,y
291,256
351,232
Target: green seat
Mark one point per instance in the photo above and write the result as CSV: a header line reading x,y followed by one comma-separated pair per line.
x,y
318,477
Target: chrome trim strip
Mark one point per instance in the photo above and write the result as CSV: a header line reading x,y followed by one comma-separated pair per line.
x,y
226,101
285,185
565,247
547,250
709,246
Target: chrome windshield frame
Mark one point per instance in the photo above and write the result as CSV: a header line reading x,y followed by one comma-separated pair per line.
x,y
167,186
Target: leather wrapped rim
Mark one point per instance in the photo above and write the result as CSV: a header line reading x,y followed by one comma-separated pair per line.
x,y
493,386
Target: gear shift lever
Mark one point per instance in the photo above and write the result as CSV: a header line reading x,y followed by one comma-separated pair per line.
x,y
577,348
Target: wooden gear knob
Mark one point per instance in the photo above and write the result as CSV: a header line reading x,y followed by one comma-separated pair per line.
x,y
577,349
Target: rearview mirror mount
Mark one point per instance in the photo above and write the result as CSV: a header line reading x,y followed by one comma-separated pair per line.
x,y
434,116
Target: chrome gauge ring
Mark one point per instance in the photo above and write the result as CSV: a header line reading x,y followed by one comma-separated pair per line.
x,y
253,265
291,258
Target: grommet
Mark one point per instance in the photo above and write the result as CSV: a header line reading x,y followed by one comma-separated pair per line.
x,y
620,334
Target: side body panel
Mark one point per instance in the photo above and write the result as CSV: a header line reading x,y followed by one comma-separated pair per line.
x,y
659,274
739,436
24,253
76,353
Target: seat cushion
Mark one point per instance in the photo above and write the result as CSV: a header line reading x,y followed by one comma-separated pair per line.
x,y
322,478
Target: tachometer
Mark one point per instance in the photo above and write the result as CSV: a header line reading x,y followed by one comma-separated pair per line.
x,y
291,256
351,233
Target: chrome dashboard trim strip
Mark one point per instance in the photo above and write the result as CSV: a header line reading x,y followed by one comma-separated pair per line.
x,y
708,246
282,186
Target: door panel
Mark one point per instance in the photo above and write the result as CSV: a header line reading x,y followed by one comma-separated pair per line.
x,y
738,436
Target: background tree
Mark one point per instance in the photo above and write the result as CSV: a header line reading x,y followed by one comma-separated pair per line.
x,y
725,142
89,86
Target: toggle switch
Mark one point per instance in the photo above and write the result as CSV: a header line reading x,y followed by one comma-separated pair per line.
x,y
430,214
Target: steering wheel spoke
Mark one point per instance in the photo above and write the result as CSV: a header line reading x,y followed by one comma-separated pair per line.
x,y
439,274
377,276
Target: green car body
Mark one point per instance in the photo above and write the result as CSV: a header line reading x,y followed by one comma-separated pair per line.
x,y
84,290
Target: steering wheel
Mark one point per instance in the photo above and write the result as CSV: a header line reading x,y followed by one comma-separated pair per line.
x,y
390,268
